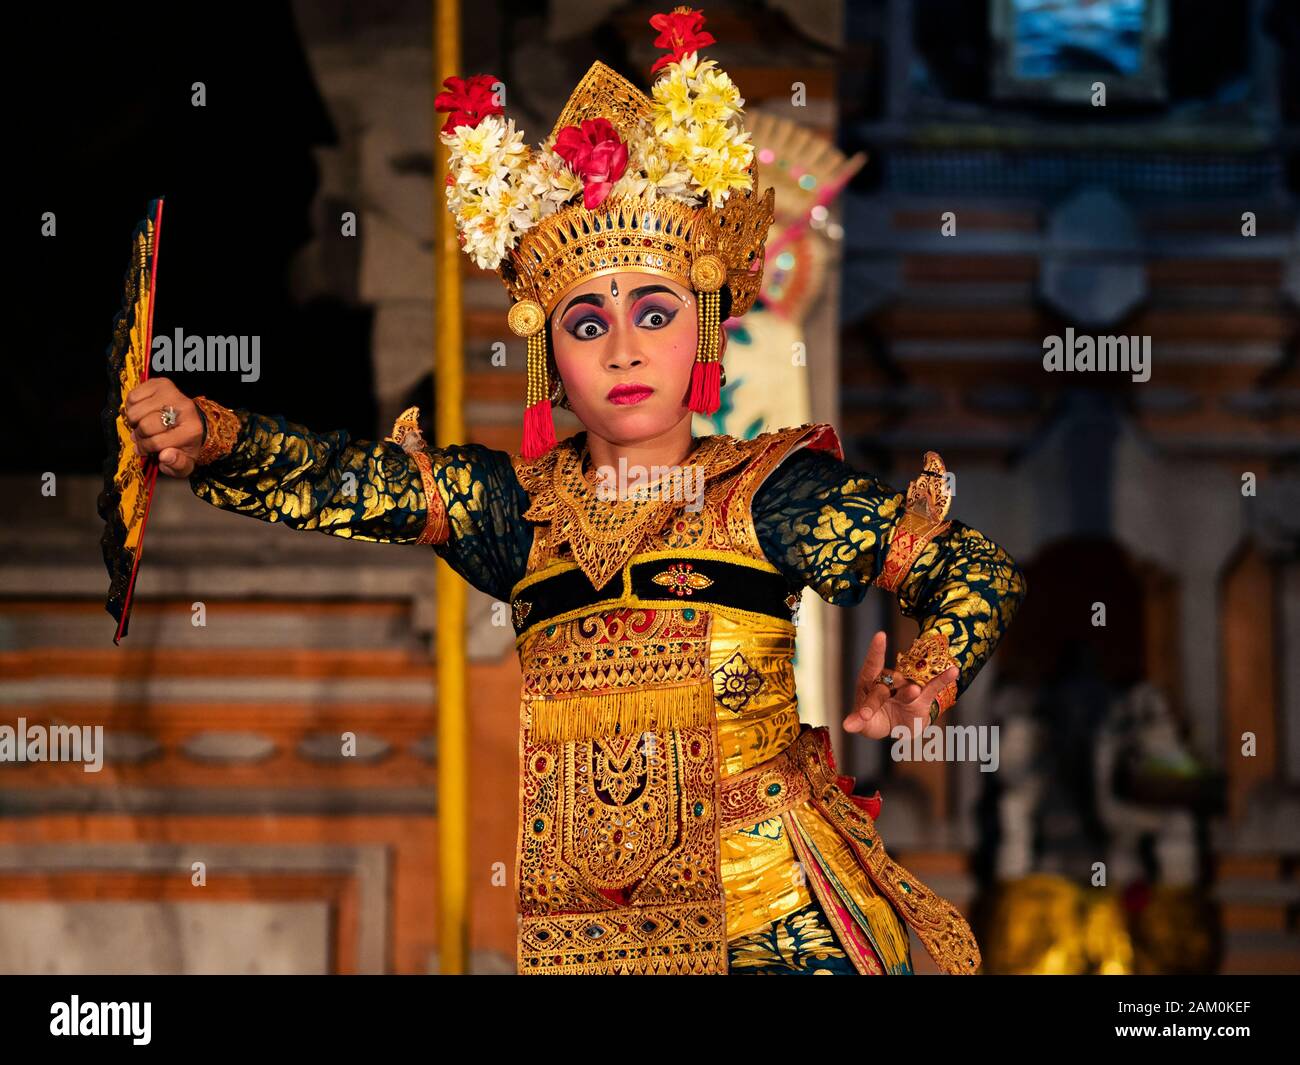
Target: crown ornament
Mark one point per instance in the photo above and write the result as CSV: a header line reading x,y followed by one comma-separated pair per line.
x,y
663,184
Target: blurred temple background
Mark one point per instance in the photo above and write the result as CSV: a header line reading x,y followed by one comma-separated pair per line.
x,y
1014,171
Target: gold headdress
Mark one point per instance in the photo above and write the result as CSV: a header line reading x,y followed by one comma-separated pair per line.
x,y
662,184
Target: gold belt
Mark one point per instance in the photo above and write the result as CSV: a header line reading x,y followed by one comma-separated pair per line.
x,y
765,790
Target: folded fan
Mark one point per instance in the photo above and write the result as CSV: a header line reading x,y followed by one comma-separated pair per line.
x,y
129,479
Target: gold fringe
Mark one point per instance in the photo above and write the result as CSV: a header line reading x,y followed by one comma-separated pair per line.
x,y
648,709
888,930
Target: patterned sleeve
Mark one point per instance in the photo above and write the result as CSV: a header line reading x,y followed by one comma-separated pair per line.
x,y
273,469
829,527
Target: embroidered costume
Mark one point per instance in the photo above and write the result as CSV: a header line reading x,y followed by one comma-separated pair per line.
x,y
670,802
674,814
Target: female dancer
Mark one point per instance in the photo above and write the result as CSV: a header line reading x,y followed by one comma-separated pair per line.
x,y
674,814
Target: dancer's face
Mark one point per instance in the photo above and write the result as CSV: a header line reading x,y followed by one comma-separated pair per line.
x,y
624,345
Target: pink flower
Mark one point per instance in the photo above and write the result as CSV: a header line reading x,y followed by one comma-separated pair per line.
x,y
467,101
595,153
680,32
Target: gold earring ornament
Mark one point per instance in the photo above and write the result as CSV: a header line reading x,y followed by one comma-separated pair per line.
x,y
708,272
527,319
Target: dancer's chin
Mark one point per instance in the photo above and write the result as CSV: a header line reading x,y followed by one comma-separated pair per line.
x,y
627,426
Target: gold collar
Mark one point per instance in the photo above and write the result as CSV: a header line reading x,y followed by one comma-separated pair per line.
x,y
604,533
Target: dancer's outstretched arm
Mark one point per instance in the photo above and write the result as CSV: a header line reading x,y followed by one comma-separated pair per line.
x,y
464,499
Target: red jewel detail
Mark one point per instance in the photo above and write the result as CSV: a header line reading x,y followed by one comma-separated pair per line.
x,y
646,241
600,243
618,835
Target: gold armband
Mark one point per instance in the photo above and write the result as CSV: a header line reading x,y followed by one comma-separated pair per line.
x,y
436,527
926,659
406,434
927,507
222,430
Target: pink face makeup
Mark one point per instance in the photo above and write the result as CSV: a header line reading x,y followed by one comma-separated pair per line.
x,y
657,310
585,321
624,346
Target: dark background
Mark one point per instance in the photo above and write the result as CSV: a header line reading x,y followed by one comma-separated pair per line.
x,y
107,125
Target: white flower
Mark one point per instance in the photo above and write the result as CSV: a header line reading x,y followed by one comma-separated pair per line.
x,y
485,225
690,66
549,182
484,157
487,192
652,172
471,144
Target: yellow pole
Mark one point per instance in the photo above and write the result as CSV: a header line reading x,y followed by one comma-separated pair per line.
x,y
449,387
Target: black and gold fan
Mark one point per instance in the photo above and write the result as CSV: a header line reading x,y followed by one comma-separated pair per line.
x,y
129,479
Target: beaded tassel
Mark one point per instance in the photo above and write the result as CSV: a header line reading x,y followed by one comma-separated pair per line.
x,y
706,374
539,426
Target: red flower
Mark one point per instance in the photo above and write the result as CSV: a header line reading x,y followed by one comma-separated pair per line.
x,y
467,101
681,32
596,154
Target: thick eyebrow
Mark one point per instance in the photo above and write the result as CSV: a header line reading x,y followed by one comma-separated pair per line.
x,y
645,290
594,298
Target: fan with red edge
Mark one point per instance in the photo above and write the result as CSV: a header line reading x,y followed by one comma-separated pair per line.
x,y
129,479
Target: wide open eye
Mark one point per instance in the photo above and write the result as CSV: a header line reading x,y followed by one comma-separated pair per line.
x,y
589,328
655,317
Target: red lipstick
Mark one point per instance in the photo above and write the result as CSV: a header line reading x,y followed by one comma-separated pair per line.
x,y
626,395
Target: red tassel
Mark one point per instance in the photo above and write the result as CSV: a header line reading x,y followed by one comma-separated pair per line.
x,y
539,430
706,387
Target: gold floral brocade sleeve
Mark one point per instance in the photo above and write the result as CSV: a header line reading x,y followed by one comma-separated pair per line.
x,y
838,531
281,472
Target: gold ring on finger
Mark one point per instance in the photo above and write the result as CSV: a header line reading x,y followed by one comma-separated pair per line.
x,y
168,416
